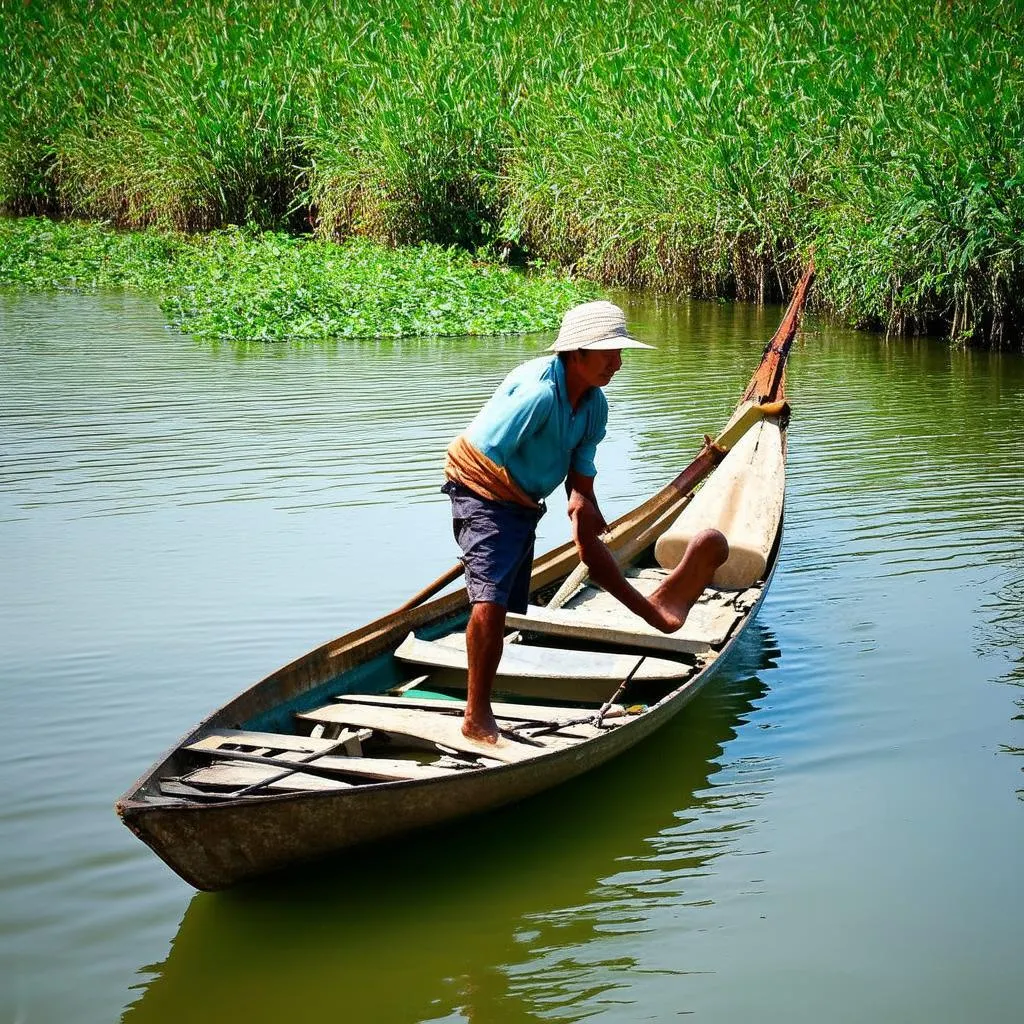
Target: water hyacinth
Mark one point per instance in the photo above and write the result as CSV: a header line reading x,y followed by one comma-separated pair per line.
x,y
699,148
248,285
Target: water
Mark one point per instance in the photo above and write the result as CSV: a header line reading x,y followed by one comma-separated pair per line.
x,y
831,832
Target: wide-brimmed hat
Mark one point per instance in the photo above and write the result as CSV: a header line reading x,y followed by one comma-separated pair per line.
x,y
594,325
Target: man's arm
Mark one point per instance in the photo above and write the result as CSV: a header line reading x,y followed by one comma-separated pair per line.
x,y
583,502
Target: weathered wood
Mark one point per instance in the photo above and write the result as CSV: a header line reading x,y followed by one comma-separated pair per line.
x,y
421,725
503,711
263,742
596,616
240,775
330,766
603,629
522,661
748,598
411,684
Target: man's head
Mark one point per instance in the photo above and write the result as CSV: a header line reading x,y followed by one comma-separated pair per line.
x,y
591,340
594,326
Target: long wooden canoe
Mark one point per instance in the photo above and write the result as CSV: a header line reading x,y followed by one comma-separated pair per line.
x,y
360,739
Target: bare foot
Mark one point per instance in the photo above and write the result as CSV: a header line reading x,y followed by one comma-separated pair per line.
x,y
481,728
667,615
675,597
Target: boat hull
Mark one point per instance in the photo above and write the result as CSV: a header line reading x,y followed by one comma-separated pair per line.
x,y
215,839
215,846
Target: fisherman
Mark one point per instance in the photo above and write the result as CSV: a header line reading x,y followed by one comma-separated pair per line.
x,y
542,426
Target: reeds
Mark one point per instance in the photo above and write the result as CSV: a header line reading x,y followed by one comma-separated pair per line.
x,y
700,148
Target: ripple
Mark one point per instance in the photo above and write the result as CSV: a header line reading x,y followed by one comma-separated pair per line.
x,y
176,520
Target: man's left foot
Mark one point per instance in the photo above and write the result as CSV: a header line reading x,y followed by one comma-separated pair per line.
x,y
677,595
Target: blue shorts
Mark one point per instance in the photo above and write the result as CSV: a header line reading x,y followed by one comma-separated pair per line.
x,y
496,538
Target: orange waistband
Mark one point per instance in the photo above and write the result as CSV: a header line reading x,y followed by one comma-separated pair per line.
x,y
471,468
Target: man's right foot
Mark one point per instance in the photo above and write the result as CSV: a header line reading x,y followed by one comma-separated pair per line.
x,y
484,730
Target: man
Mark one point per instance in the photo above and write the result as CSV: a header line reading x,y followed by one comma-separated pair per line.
x,y
542,426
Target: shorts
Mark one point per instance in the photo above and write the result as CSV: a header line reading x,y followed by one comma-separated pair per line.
x,y
496,538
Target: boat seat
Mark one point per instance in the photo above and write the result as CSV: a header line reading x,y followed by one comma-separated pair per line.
x,y
579,625
595,615
384,769
743,499
526,662
274,744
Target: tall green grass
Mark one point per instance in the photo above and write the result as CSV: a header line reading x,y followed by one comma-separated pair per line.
x,y
704,148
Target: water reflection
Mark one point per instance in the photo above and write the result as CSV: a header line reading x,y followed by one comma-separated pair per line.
x,y
176,520
492,920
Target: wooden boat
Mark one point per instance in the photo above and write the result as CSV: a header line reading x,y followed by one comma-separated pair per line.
x,y
360,739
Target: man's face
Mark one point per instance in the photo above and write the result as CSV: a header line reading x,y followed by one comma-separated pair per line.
x,y
598,366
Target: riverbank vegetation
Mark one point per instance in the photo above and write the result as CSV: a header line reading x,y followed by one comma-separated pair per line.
x,y
247,285
702,148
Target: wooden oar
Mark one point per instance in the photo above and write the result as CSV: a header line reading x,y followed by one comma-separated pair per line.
x,y
431,589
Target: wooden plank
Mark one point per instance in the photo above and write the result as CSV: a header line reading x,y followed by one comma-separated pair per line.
x,y
412,684
746,600
397,768
434,729
523,661
503,711
709,624
265,743
575,625
239,775
367,767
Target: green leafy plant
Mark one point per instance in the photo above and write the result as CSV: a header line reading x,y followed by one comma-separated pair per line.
x,y
251,285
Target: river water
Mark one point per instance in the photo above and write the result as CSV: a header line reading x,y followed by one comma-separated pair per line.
x,y
832,831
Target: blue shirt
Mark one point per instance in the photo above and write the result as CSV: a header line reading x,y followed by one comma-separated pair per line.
x,y
529,428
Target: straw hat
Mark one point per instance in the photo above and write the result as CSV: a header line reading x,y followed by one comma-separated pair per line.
x,y
594,325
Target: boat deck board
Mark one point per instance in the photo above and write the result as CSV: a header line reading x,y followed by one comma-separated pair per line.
x,y
240,775
545,713
523,661
603,629
594,615
222,743
426,726
266,743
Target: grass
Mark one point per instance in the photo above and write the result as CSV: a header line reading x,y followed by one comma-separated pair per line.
x,y
699,148
246,285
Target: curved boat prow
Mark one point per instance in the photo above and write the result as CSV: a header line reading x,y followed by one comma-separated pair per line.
x,y
768,382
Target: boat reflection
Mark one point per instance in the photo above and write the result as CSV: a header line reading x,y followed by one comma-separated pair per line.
x,y
477,922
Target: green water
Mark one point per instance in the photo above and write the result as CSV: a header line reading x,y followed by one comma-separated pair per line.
x,y
832,831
